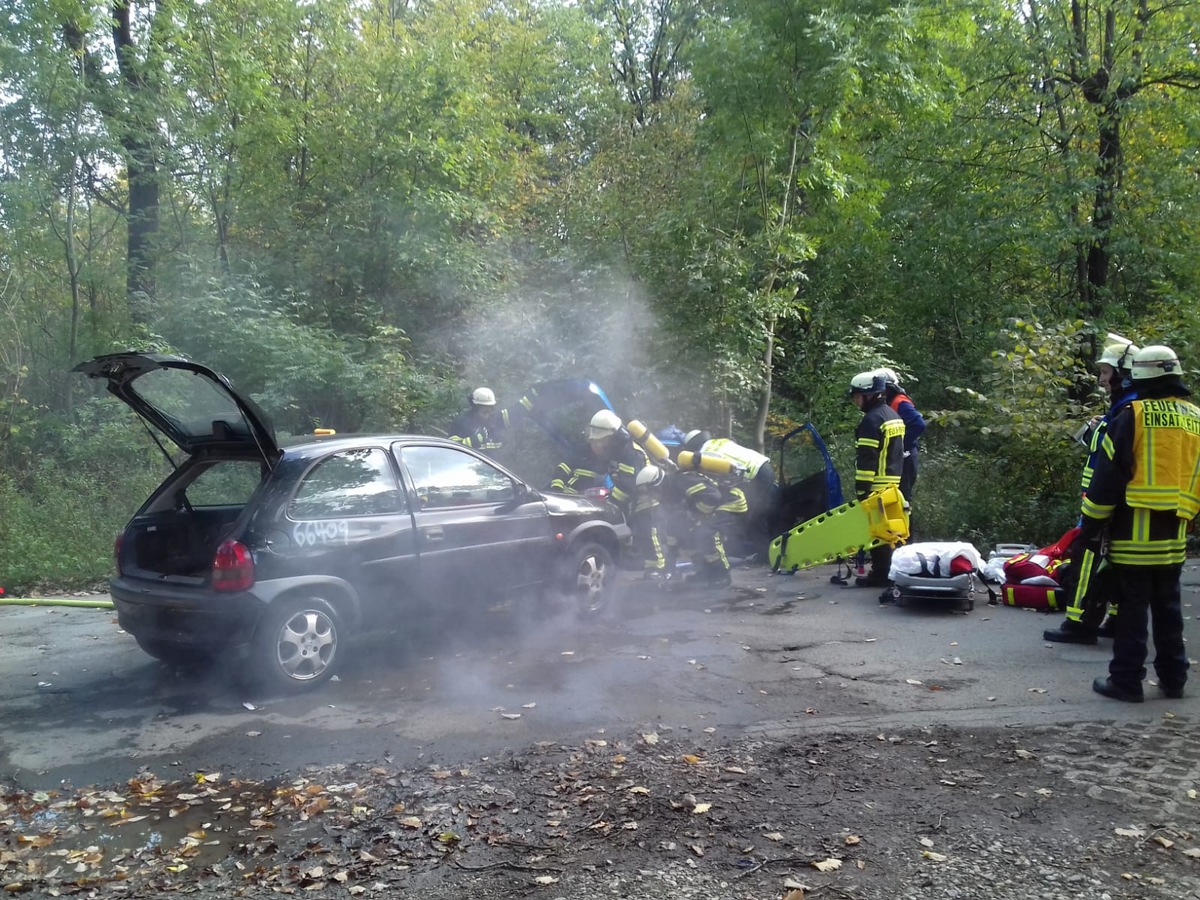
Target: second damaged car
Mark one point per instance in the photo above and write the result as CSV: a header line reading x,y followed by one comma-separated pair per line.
x,y
279,552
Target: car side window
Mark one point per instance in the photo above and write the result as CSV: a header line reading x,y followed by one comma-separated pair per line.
x,y
444,476
351,483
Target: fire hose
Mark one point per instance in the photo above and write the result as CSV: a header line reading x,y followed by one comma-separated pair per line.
x,y
97,603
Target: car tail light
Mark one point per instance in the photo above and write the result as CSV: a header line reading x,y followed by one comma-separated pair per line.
x,y
599,494
117,551
232,567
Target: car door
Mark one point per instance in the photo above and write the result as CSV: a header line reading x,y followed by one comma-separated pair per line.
x,y
480,531
349,519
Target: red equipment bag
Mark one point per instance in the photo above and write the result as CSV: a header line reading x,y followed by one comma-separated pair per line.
x,y
1031,579
1034,596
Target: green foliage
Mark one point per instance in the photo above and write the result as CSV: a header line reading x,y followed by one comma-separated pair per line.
x,y
65,506
365,208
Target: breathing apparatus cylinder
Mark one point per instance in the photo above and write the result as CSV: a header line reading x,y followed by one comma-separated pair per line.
x,y
649,441
706,462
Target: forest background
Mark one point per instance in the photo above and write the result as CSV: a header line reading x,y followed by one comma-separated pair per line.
x,y
719,210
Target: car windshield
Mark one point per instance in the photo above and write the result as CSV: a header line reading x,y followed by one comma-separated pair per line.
x,y
192,403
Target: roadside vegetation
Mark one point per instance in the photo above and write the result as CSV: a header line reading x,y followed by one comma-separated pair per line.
x,y
719,210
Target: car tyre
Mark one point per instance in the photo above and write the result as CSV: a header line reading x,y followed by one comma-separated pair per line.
x,y
589,579
298,644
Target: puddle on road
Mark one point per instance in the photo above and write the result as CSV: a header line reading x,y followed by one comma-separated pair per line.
x,y
92,836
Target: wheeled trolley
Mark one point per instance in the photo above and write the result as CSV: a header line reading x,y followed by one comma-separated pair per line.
x,y
946,571
957,589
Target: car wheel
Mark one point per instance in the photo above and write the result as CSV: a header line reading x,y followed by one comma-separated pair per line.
x,y
298,643
589,577
176,654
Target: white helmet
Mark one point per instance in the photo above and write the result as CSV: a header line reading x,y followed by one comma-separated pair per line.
x,y
889,376
482,396
1118,354
649,476
603,424
1154,362
867,383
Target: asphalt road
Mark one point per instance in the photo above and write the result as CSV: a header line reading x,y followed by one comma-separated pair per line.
x,y
779,656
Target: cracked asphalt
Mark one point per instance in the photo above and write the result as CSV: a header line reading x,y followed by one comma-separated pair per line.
x,y
786,669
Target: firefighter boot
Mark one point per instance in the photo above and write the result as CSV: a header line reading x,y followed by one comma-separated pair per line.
x,y
1108,688
1070,632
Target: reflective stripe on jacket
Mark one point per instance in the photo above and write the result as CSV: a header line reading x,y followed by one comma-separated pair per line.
x,y
1145,482
879,450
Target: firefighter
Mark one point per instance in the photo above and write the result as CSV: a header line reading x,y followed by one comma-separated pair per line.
x,y
699,517
759,488
581,470
1145,488
1090,590
622,460
481,426
914,427
879,459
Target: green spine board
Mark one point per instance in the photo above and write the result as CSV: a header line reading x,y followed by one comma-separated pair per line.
x,y
857,525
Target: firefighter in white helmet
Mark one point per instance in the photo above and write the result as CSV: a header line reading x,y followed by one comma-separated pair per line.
x,y
879,458
1093,595
624,459
1144,492
481,426
758,485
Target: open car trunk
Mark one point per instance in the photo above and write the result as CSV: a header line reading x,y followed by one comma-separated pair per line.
x,y
177,533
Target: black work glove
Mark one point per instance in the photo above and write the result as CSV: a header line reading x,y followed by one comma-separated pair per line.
x,y
1090,537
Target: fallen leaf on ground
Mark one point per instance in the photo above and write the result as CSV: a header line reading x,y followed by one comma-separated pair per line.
x,y
936,857
546,879
701,808
1037,690
1165,842
852,839
911,681
827,865
774,836
794,895
650,738
510,715
1129,832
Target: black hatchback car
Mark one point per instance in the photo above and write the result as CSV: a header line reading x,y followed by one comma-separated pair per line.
x,y
280,552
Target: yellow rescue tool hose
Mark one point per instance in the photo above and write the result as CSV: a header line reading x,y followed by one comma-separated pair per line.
x,y
56,601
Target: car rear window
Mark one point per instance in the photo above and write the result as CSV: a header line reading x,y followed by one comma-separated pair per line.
x,y
357,482
228,482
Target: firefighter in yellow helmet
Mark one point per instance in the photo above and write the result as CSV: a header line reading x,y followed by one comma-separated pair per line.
x,y
1145,490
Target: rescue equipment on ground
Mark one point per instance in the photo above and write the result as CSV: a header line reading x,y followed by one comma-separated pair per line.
x,y
1032,578
937,570
879,518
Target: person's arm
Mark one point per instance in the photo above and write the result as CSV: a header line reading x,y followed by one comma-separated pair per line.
x,y
1111,470
914,423
866,458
